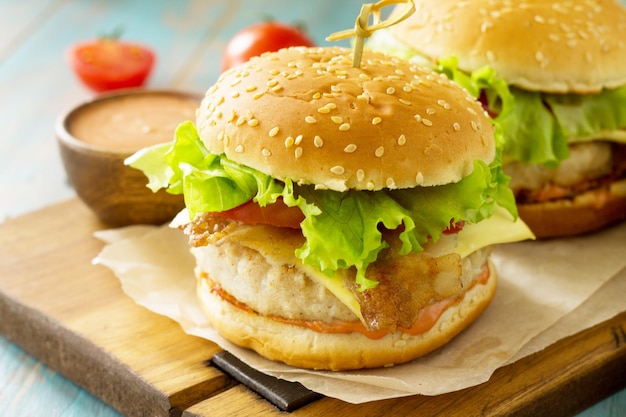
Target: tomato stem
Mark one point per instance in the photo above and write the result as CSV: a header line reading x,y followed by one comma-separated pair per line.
x,y
114,35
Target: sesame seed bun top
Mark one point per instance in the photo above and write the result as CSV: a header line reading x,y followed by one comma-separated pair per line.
x,y
306,114
544,45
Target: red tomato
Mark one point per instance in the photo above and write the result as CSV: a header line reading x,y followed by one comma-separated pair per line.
x,y
454,227
277,214
108,64
259,38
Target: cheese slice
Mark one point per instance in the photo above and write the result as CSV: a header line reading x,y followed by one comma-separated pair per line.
x,y
499,228
278,246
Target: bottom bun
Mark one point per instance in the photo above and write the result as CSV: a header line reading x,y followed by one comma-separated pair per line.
x,y
588,212
302,347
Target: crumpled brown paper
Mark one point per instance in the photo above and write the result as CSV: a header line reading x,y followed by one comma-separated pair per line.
x,y
547,291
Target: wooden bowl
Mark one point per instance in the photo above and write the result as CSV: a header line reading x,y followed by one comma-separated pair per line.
x,y
95,137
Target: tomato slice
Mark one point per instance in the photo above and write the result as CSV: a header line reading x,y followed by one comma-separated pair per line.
x,y
109,64
454,227
277,214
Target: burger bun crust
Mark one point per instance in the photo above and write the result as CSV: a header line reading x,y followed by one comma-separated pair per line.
x,y
586,213
301,347
306,114
541,45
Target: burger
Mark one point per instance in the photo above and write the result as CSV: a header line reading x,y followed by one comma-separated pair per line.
x,y
341,217
564,114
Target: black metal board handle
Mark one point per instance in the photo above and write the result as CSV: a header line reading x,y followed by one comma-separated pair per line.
x,y
285,395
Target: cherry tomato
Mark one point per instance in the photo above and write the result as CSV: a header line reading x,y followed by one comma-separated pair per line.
x,y
262,37
277,214
109,64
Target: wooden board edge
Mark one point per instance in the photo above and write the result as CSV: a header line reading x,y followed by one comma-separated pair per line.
x,y
79,360
522,389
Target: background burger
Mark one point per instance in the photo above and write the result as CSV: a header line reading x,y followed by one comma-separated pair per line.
x,y
341,217
565,129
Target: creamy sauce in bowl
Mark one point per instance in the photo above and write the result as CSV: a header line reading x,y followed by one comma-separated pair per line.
x,y
132,121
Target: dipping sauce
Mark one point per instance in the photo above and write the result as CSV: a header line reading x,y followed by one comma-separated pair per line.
x,y
129,122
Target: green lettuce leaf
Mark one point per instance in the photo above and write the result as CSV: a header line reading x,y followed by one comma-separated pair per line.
x,y
537,127
585,115
342,229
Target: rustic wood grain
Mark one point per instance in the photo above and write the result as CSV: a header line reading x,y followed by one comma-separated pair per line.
x,y
74,316
562,380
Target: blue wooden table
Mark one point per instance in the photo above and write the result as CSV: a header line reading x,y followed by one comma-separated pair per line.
x,y
36,86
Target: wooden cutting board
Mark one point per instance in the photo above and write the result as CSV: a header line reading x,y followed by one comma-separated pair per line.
x,y
74,316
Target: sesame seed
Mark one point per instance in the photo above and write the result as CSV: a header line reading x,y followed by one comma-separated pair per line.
x,y
419,178
370,185
335,88
402,140
240,121
273,131
344,126
277,88
456,126
318,142
360,175
266,152
298,139
258,95
253,122
329,95
430,111
363,97
444,104
239,149
250,88
379,152
226,139
220,135
331,106
234,83
391,183
474,125
376,120
289,142
426,122
472,111
338,170
317,95
234,94
323,110
310,119
391,90
274,72
337,119
298,152
405,102
539,56
417,118
350,148
220,100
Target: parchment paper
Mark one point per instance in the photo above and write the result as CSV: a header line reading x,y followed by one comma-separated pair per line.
x,y
547,291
